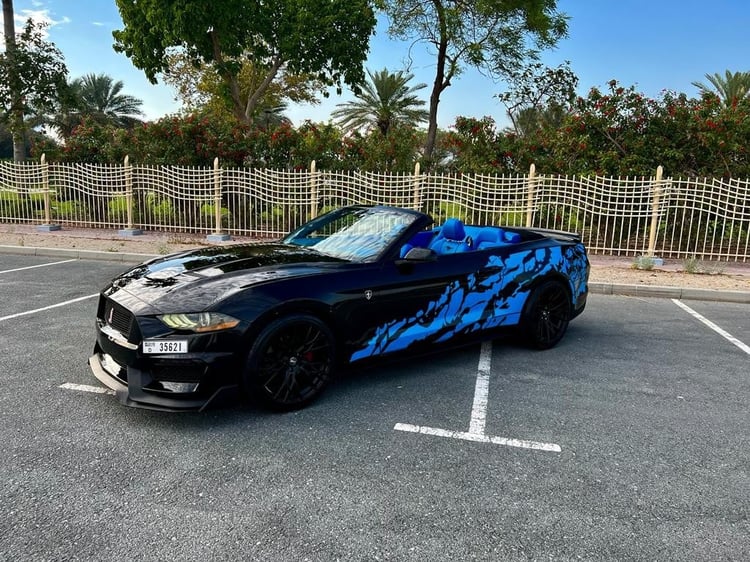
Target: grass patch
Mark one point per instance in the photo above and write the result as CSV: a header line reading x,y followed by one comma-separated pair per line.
x,y
696,266
643,262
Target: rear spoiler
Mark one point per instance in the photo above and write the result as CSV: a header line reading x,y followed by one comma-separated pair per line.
x,y
560,235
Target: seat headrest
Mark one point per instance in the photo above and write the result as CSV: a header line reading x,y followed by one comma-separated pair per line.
x,y
453,229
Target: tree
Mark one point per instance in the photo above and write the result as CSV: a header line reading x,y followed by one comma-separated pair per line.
x,y
101,98
328,39
539,96
492,35
731,88
32,71
384,101
97,97
201,89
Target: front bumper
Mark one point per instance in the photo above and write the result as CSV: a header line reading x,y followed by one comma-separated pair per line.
x,y
137,388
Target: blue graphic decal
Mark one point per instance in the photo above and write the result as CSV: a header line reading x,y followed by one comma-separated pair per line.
x,y
475,304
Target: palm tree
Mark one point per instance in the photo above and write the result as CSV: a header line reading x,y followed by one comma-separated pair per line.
x,y
529,120
385,100
97,97
731,88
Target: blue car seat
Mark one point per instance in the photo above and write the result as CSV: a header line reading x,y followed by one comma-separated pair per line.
x,y
451,239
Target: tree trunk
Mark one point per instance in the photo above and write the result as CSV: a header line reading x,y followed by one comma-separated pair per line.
x,y
438,85
16,117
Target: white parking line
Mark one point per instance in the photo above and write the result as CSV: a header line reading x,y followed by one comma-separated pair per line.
x,y
86,388
729,337
481,391
35,266
18,315
479,415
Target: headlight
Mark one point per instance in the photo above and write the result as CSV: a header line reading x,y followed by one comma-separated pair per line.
x,y
199,321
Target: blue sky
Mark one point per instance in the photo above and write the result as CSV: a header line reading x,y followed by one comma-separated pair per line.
x,y
653,45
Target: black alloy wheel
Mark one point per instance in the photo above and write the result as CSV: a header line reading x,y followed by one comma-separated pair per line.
x,y
546,315
290,362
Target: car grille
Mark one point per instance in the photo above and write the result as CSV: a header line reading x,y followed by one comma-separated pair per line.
x,y
118,317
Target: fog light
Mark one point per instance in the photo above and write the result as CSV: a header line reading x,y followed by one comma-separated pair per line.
x,y
181,387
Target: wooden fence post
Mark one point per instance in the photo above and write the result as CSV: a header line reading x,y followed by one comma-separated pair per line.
x,y
130,229
417,201
530,196
46,193
313,191
217,236
656,189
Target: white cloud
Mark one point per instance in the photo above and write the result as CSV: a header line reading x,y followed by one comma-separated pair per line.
x,y
37,16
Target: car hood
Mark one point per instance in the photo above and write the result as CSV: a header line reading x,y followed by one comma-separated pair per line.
x,y
197,279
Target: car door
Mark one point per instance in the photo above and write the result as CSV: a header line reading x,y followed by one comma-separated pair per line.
x,y
410,305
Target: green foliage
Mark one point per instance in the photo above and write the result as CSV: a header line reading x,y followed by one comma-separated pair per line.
x,y
97,98
70,210
730,88
159,209
208,214
512,218
447,210
373,152
328,40
539,97
496,36
475,146
615,132
384,101
32,72
643,262
117,210
319,142
696,266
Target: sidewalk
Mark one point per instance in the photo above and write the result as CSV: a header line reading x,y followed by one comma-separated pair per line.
x,y
609,275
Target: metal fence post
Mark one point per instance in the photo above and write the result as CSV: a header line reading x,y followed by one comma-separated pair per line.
x,y
46,193
217,236
530,196
656,188
130,229
313,191
417,203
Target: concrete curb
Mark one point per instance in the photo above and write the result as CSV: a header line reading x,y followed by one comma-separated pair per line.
x,y
680,293
653,291
124,257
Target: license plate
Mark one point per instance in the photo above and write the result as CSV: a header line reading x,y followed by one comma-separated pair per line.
x,y
165,346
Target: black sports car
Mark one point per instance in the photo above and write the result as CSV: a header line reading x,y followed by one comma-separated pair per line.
x,y
274,320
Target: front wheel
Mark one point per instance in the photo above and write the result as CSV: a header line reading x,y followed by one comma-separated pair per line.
x,y
290,362
546,315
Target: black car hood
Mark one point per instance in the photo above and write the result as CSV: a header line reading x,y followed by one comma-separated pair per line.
x,y
197,279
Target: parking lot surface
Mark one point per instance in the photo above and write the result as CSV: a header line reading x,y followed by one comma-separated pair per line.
x,y
630,440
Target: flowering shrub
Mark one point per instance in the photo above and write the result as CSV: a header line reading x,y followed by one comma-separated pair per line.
x,y
612,132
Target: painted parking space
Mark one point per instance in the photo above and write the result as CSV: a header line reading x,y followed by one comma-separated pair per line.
x,y
30,284
646,403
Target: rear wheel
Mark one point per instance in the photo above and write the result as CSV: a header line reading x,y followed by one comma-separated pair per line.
x,y
546,315
290,362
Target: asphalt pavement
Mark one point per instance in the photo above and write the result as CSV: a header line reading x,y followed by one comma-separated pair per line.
x,y
629,440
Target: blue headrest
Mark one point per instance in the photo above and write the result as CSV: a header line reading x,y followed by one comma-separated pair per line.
x,y
453,229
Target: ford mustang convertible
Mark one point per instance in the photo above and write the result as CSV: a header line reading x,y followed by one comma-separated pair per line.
x,y
273,321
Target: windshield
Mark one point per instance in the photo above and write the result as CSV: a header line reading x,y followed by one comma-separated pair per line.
x,y
353,233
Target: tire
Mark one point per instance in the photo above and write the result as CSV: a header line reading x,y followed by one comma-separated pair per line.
x,y
546,315
290,362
